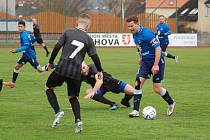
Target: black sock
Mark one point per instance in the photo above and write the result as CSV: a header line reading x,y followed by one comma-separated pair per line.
x,y
170,56
75,108
53,100
137,99
127,98
15,75
45,48
102,99
167,98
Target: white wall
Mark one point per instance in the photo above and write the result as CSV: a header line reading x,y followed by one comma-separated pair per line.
x,y
203,20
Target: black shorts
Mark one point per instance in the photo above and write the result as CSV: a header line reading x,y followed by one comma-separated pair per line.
x,y
73,86
112,85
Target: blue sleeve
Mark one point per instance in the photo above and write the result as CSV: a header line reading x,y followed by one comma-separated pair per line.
x,y
26,43
23,48
167,30
154,42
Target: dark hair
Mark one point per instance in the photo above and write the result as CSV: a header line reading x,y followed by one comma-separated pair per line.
x,y
22,23
132,18
84,16
162,16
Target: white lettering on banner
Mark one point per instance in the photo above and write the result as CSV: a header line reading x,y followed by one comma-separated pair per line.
x,y
126,39
112,39
183,40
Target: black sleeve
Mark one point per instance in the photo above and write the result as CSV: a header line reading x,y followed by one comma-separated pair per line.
x,y
54,53
97,62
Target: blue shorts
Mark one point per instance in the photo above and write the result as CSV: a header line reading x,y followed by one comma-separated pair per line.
x,y
145,70
164,46
116,87
33,61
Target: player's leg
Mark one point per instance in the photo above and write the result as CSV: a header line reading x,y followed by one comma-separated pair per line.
x,y
141,77
53,81
1,84
157,87
137,96
34,63
99,97
40,41
16,72
166,54
129,92
73,87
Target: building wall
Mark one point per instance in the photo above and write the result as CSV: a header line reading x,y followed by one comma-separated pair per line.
x,y
163,11
203,20
11,6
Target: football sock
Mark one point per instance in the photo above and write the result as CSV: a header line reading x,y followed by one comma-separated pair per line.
x,y
137,99
165,95
15,75
168,55
75,108
127,98
45,48
53,100
102,99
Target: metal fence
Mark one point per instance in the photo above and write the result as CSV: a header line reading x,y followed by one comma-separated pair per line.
x,y
54,16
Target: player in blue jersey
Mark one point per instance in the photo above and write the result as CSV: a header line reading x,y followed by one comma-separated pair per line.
x,y
29,55
152,63
163,31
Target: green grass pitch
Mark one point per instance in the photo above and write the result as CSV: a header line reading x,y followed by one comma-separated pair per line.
x,y
26,115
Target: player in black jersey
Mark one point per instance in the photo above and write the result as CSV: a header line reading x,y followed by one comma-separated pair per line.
x,y
107,84
76,43
37,34
1,84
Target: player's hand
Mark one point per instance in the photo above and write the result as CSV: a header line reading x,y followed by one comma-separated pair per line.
x,y
155,69
49,67
100,75
89,94
13,51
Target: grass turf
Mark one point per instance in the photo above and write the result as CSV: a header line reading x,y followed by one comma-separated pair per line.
x,y
26,114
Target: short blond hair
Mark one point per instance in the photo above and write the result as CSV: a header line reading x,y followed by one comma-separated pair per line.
x,y
84,18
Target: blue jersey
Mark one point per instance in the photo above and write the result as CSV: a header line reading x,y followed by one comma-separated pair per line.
x,y
163,30
26,41
147,40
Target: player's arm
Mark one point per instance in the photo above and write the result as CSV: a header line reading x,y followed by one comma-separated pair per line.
x,y
167,30
94,56
97,63
96,87
156,44
58,45
26,45
54,53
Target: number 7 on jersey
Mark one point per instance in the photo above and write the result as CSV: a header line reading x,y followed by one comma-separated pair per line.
x,y
79,45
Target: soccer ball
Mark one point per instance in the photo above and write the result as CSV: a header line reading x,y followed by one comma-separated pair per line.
x,y
149,113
